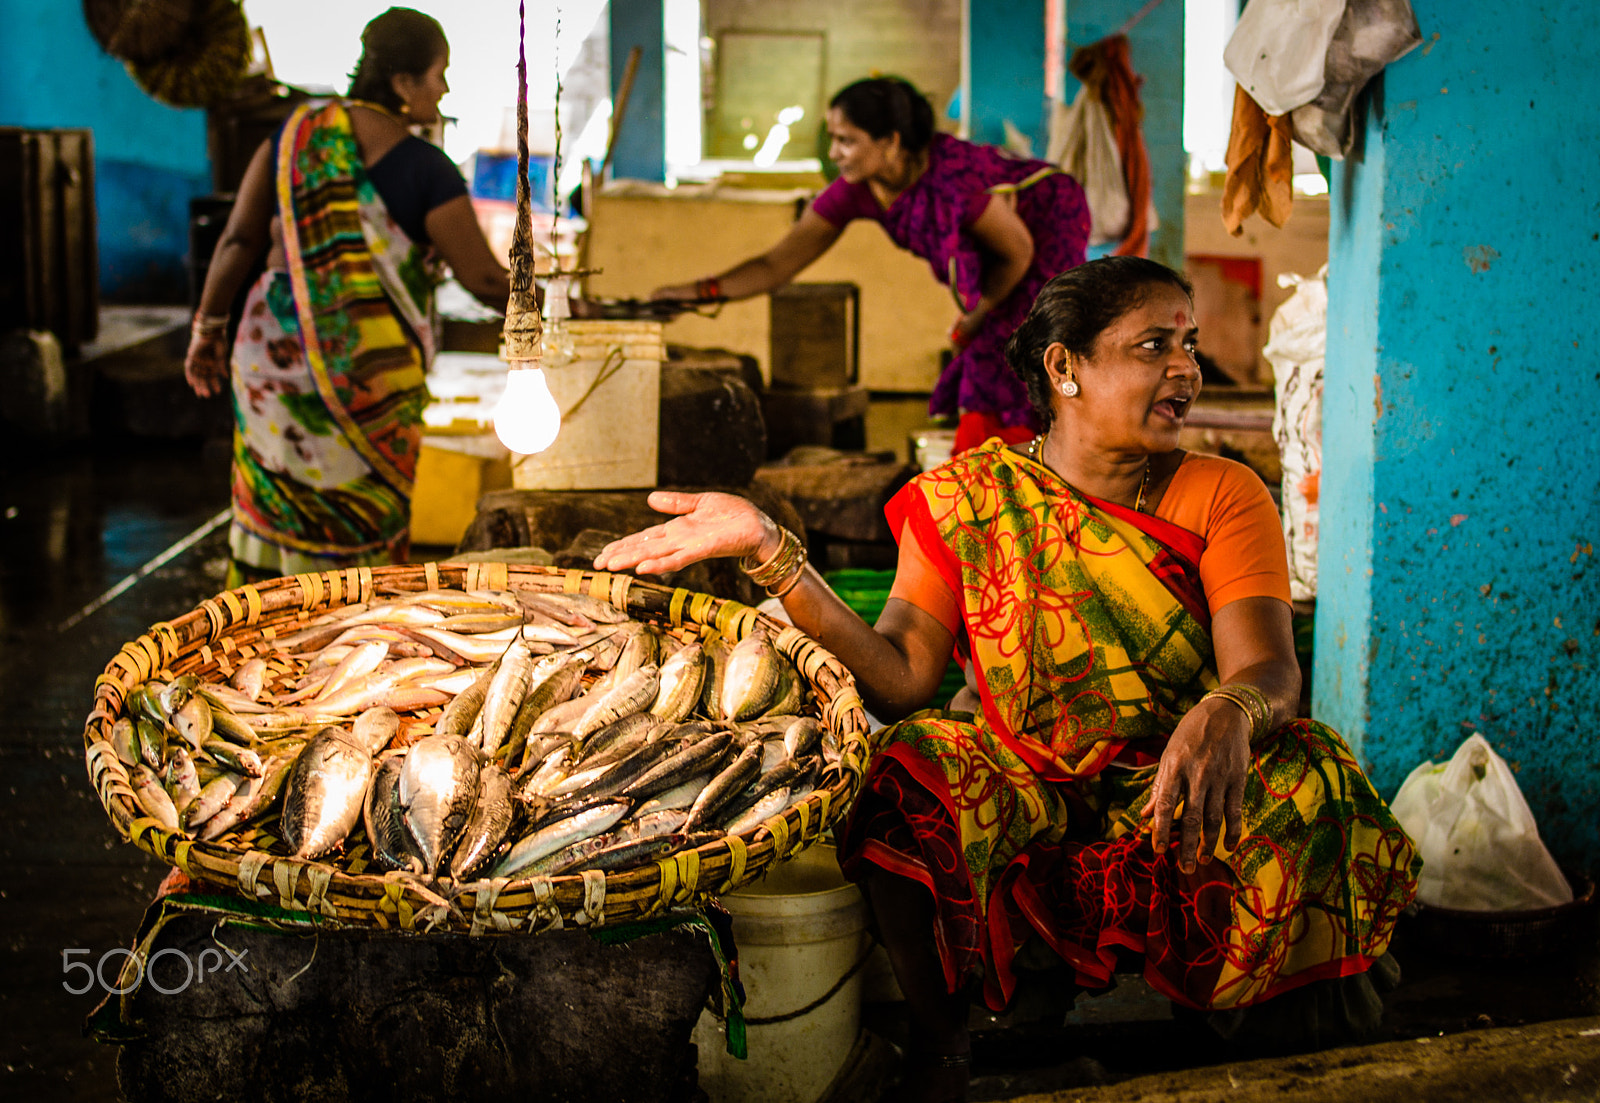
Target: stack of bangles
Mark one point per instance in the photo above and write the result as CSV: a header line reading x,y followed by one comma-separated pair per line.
x,y
205,325
1252,701
783,570
708,290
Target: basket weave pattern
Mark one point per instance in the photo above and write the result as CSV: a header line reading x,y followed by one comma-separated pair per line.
x,y
238,624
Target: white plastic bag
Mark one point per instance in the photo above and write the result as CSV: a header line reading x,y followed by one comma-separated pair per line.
x,y
1479,844
1299,336
1279,49
1084,144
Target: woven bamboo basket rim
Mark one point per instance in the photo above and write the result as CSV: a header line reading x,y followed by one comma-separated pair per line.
x,y
236,625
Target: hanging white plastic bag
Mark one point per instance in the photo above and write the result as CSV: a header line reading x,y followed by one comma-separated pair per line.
x,y
1084,144
1279,49
1299,337
1479,844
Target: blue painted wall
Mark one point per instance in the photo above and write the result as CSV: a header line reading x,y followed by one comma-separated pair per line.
x,y
1459,589
641,152
1005,59
149,159
1156,47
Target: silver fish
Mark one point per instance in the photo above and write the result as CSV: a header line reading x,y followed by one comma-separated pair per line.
x,y
375,727
657,821
635,693
226,697
682,681
152,798
177,693
553,837
182,780
751,682
716,651
562,717
194,721
704,756
488,824
680,797
463,709
252,798
212,799
725,786
250,678
802,737
355,666
438,787
503,697
384,819
241,760
791,694
762,810
324,793
125,741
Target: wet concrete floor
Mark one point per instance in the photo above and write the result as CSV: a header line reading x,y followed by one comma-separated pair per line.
x,y
74,523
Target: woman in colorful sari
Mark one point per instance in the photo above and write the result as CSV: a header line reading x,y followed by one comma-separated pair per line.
x,y
354,214
1131,789
992,227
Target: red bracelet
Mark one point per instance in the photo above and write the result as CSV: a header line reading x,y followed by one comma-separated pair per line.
x,y
958,339
708,289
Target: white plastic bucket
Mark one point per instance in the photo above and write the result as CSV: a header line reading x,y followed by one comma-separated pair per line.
x,y
799,930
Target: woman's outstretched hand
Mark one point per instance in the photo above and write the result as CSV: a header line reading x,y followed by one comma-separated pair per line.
x,y
1204,765
709,526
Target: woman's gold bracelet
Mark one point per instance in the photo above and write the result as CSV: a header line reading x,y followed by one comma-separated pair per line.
x,y
1252,701
784,566
209,323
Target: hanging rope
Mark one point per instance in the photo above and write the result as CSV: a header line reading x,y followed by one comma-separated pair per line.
x,y
523,329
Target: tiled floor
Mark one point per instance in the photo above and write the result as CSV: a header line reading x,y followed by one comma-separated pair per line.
x,y
76,522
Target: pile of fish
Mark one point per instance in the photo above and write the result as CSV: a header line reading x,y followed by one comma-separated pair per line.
x,y
570,738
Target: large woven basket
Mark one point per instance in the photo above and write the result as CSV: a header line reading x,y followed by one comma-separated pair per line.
x,y
237,624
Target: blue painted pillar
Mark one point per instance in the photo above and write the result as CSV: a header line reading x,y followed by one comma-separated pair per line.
x,y
1459,589
1156,47
641,152
1005,65
150,159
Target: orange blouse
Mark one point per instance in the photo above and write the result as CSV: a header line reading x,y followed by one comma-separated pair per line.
x,y
1223,502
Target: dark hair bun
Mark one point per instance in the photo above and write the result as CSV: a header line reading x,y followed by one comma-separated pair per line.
x,y
1077,306
401,40
888,105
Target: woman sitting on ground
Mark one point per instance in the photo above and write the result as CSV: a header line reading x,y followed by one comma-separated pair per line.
x,y
1131,788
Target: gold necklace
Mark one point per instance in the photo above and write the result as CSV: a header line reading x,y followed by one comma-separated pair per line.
x,y
1037,443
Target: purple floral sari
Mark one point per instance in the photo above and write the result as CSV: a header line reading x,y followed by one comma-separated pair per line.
x,y
931,219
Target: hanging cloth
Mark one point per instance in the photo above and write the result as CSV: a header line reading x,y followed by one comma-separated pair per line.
x,y
1106,69
1260,166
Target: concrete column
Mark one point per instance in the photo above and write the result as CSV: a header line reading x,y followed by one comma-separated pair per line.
x,y
641,152
1156,46
1458,586
1005,65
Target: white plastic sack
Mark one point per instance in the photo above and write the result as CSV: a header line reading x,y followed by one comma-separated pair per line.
x,y
1479,844
1279,48
1084,144
1295,348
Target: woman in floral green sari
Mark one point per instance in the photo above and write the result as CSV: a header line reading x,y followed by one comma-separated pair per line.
x,y
1126,786
356,215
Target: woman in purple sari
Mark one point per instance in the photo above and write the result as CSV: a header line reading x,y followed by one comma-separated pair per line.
x,y
992,227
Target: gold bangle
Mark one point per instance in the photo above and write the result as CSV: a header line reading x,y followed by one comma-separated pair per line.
x,y
783,562
787,588
209,323
1251,701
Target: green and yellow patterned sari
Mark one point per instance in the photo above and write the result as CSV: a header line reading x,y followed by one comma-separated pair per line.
x,y
329,366
1091,636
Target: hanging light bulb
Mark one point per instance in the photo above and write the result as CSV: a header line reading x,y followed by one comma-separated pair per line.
x,y
527,419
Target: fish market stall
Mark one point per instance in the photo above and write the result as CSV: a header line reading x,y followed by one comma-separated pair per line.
x,y
437,761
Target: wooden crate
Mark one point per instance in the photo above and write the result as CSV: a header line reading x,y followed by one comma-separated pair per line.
x,y
49,266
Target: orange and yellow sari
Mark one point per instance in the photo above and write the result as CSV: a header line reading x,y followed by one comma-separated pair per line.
x,y
1091,636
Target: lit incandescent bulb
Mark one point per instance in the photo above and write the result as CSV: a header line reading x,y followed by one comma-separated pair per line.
x,y
527,419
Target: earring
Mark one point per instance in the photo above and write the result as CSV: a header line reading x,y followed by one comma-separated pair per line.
x,y
1069,388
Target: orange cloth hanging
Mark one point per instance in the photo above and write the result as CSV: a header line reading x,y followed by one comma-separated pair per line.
x,y
1260,166
1106,68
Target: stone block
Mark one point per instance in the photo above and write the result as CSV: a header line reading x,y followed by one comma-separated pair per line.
x,y
373,1016
711,427
838,494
